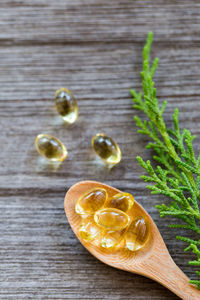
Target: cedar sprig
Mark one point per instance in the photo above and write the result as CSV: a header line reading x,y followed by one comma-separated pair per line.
x,y
177,175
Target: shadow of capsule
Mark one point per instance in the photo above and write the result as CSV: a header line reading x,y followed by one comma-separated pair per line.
x,y
100,164
41,164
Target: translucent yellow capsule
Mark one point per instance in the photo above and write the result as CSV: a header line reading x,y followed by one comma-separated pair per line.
x,y
50,147
137,234
90,202
66,105
111,219
122,201
106,148
88,229
112,238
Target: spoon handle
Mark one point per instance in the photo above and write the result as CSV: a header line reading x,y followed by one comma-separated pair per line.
x,y
163,269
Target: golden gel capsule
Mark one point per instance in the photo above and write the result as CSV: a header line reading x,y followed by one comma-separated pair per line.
x,y
112,238
106,148
66,105
111,219
122,201
90,202
88,229
137,234
50,147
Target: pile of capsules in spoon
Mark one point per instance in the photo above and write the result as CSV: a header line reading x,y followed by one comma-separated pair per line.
x,y
107,220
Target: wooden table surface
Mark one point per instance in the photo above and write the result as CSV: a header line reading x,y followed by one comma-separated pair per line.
x,y
93,47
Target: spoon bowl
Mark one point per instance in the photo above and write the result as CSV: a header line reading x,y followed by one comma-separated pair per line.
x,y
153,260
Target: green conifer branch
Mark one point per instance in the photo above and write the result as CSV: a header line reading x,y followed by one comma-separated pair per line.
x,y
177,175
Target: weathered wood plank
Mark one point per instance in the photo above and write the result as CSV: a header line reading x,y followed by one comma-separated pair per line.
x,y
94,48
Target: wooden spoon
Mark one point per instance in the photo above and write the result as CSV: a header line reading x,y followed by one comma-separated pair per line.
x,y
153,260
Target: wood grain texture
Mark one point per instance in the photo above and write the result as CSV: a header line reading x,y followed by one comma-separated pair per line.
x,y
94,48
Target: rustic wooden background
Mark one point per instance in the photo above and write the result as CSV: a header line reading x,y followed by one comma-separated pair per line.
x,y
92,47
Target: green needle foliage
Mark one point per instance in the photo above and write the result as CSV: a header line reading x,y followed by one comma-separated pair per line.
x,y
177,175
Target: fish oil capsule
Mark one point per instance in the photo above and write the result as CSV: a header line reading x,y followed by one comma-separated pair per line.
x,y
121,201
66,105
90,202
106,148
50,147
88,229
111,219
137,234
112,238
